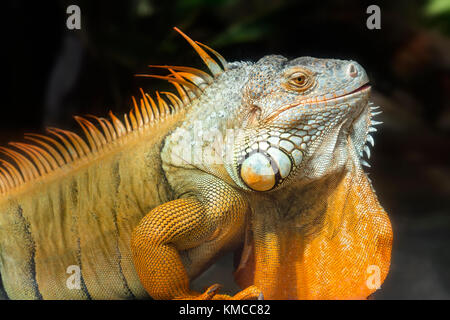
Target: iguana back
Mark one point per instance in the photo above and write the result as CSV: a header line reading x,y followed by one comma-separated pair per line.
x,y
69,205
82,215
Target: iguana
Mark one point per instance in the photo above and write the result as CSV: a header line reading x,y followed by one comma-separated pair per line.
x,y
263,158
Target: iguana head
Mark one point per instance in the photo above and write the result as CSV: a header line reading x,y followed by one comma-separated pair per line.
x,y
299,118
291,120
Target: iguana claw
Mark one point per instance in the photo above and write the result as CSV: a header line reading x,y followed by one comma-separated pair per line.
x,y
250,293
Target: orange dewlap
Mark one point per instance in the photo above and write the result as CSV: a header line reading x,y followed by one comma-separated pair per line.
x,y
348,259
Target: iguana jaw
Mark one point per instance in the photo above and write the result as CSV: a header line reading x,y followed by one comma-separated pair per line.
x,y
318,242
326,100
360,130
321,127
351,230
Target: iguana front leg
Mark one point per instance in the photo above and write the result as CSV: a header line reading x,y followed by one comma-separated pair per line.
x,y
200,226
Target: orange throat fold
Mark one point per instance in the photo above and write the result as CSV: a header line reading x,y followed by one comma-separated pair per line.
x,y
348,257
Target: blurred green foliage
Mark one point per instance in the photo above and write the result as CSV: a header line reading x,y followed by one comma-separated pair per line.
x,y
438,14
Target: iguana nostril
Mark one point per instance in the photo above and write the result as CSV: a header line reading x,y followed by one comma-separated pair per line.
x,y
352,71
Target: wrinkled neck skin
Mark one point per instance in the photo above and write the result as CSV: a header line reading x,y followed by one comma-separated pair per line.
x,y
325,238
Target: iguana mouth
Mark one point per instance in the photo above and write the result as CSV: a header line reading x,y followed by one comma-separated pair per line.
x,y
358,112
364,87
321,100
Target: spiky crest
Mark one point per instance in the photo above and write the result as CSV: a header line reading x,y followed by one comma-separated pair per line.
x,y
52,152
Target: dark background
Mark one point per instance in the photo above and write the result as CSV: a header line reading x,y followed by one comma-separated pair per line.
x,y
53,73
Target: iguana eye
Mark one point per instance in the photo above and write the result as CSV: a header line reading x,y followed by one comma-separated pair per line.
x,y
299,81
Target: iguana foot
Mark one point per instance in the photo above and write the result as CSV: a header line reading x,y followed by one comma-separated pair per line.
x,y
250,293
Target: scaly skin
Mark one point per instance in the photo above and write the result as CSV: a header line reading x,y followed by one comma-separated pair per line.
x,y
82,215
263,158
315,226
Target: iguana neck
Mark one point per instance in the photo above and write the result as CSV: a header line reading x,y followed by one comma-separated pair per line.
x,y
318,242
